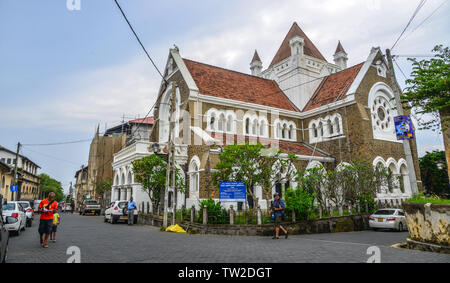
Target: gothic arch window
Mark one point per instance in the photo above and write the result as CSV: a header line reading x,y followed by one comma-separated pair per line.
x,y
337,124
194,178
321,129
255,127
330,127
221,126
247,126
230,121
315,133
383,111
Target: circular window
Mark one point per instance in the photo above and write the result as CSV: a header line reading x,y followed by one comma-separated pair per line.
x,y
381,113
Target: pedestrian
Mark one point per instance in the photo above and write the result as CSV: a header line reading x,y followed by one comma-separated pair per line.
x,y
278,209
131,208
56,222
47,207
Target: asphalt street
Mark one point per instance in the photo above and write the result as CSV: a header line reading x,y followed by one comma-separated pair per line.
x,y
103,242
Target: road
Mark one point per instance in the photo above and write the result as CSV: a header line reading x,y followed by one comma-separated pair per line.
x,y
103,242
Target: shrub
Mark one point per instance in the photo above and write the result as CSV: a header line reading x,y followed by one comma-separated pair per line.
x,y
216,213
300,201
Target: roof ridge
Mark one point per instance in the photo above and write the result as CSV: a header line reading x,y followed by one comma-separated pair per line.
x,y
238,72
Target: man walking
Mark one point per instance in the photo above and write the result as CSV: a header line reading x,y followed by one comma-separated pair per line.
x,y
47,207
278,211
131,208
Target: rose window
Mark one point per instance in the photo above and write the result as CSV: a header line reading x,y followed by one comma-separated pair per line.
x,y
382,114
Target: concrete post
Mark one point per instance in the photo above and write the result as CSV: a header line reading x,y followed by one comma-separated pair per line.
x,y
192,214
367,207
341,210
258,215
293,216
350,208
231,216
205,215
143,207
331,210
358,207
320,212
181,213
148,207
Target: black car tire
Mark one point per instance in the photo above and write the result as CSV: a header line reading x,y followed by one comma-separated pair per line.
x,y
125,211
105,220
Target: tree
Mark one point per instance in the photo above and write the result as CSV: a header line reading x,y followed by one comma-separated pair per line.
x,y
435,181
48,185
150,172
428,89
252,164
103,186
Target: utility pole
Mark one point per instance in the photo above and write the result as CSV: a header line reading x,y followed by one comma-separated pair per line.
x,y
16,195
406,143
171,155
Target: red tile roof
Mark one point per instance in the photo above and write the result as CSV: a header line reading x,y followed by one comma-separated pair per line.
x,y
223,83
333,87
148,120
288,147
285,49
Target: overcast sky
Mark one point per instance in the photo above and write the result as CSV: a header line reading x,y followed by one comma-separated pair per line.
x,y
64,72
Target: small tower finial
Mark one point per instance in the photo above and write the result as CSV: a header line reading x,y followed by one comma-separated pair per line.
x,y
340,56
256,65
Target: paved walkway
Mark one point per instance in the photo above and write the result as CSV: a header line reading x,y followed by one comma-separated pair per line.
x,y
104,242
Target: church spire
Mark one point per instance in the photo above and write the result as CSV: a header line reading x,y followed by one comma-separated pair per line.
x,y
340,56
256,65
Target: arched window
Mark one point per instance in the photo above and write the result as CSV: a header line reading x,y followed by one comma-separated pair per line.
x,y
338,126
247,126
221,126
230,121
279,131
330,128
321,129
255,127
212,121
291,133
262,128
315,133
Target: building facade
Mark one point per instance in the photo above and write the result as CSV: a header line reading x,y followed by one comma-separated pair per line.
x,y
28,180
326,113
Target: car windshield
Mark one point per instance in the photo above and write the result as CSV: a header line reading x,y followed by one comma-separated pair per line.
x,y
25,204
122,204
385,212
8,206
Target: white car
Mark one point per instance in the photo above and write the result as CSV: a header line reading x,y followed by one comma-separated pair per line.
x,y
118,211
388,218
29,211
14,215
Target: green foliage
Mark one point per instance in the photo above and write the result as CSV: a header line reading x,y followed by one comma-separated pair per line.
x,y
216,213
150,172
301,201
420,198
49,185
103,186
253,164
428,89
435,181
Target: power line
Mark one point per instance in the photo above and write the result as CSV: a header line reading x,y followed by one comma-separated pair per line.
x,y
421,4
421,23
400,69
57,143
53,157
148,55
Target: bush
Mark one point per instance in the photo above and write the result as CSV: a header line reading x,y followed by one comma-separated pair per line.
x,y
300,201
216,214
420,198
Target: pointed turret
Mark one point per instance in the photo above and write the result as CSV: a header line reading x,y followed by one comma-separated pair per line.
x,y
256,65
340,56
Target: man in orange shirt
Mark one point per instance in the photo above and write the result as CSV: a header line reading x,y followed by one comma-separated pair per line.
x,y
47,207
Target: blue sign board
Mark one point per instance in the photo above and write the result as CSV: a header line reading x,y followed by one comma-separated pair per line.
x,y
233,192
14,188
404,128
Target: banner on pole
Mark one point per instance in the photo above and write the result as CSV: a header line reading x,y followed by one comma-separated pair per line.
x,y
14,188
403,127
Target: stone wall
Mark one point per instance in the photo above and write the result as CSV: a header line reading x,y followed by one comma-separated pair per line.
x,y
429,223
326,225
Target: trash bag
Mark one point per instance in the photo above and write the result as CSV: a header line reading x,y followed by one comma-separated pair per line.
x,y
175,229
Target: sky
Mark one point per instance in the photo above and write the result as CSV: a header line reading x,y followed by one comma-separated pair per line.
x,y
65,71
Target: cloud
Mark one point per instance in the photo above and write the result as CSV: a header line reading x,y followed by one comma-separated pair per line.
x,y
96,96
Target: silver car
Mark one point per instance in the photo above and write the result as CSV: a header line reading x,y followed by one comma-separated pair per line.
x,y
388,218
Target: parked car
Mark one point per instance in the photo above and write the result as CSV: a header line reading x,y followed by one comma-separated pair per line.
x,y
14,216
29,211
36,206
118,211
90,207
389,218
4,237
